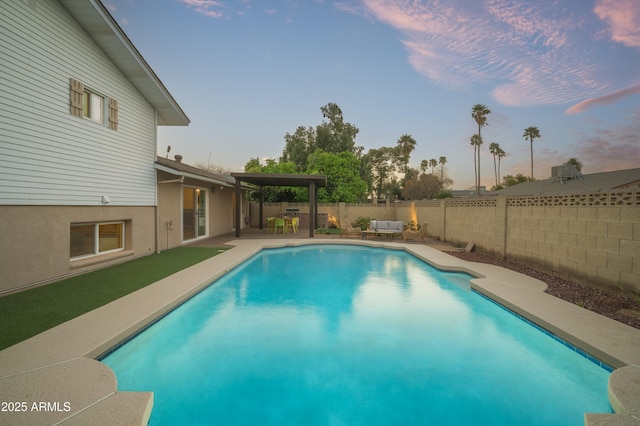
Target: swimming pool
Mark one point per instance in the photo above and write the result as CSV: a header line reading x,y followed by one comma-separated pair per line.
x,y
353,335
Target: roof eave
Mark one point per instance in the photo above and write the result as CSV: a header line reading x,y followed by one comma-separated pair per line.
x,y
193,176
96,20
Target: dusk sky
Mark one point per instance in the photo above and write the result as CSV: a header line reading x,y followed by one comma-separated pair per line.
x,y
246,72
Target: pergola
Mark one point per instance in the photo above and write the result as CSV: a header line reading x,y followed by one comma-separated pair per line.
x,y
267,179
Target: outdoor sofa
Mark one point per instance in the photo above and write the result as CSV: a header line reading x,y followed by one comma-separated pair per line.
x,y
389,228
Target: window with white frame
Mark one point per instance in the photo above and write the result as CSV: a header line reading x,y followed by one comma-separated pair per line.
x,y
93,106
88,103
90,239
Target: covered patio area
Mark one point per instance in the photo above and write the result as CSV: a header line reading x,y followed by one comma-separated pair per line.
x,y
313,182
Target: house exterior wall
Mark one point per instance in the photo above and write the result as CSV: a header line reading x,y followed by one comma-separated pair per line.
x,y
57,169
47,155
219,209
35,241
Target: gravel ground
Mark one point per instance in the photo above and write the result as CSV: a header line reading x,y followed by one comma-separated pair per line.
x,y
624,308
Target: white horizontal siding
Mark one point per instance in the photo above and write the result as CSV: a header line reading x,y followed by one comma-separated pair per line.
x,y
48,156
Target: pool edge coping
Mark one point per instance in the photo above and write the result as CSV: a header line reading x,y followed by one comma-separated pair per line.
x,y
94,333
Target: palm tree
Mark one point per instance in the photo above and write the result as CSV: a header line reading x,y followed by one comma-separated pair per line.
x,y
501,154
433,163
442,161
493,149
531,133
479,113
406,144
424,165
476,141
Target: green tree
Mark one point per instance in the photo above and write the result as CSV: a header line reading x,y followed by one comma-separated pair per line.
x,y
574,162
479,113
531,133
344,183
406,144
253,166
335,135
298,146
424,186
510,180
382,165
424,165
275,194
476,141
433,163
501,155
442,161
494,149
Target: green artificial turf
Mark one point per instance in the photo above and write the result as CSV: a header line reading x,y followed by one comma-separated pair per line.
x,y
25,314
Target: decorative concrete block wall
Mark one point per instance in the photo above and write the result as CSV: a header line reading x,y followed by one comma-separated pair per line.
x,y
590,237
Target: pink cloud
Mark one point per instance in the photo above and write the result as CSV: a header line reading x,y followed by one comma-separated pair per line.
x,y
623,17
604,100
528,48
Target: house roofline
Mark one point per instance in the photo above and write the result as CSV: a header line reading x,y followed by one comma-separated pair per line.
x,y
102,28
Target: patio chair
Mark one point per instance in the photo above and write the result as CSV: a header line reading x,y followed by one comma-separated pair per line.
x,y
420,233
278,223
292,224
271,225
347,229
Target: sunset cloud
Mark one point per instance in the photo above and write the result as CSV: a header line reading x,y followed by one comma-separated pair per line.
x,y
604,100
623,18
530,51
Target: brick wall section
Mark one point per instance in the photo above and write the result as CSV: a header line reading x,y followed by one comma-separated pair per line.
x,y
591,237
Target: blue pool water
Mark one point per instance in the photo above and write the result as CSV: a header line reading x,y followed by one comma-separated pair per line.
x,y
349,335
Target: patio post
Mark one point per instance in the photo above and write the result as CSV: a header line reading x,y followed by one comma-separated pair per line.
x,y
261,203
313,207
238,205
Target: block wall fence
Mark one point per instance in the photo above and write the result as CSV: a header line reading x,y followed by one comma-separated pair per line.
x,y
589,237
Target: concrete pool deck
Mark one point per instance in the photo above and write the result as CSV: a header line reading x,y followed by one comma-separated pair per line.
x,y
54,378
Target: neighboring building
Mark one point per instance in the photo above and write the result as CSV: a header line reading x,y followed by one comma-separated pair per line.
x,y
566,180
469,192
193,203
78,113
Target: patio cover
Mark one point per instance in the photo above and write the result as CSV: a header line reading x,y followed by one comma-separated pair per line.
x,y
267,179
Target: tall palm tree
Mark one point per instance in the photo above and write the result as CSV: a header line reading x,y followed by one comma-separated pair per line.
x,y
531,133
501,154
433,163
476,141
493,149
479,113
442,161
424,165
406,144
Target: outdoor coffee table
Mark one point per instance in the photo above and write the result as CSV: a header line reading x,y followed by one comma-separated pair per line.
x,y
388,232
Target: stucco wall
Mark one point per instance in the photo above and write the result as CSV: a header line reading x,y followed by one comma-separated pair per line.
x,y
34,246
219,209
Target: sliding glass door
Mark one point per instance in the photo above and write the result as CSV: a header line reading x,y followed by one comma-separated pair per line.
x,y
194,213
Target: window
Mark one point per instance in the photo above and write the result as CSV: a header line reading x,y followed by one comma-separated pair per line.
x,y
89,239
93,105
87,103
